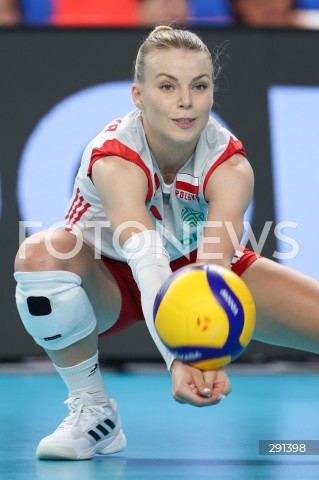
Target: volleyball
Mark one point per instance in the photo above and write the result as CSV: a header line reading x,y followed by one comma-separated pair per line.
x,y
205,315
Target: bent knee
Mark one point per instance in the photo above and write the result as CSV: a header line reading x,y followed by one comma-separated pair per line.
x,y
46,250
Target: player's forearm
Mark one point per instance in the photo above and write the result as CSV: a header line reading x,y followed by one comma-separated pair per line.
x,y
219,242
149,262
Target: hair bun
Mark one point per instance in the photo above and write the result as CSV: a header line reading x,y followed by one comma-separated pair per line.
x,y
161,29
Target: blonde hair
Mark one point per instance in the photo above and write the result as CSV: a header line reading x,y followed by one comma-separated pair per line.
x,y
164,37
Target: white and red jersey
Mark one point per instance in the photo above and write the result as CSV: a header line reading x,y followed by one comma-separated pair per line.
x,y
178,210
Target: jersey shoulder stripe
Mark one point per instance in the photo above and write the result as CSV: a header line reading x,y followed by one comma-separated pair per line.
x,y
234,146
115,148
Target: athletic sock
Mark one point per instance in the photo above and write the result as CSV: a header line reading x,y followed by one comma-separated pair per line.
x,y
85,377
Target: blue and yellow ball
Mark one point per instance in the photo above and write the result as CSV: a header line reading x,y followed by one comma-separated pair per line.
x,y
205,315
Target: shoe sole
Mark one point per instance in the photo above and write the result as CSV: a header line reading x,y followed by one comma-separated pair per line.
x,y
59,452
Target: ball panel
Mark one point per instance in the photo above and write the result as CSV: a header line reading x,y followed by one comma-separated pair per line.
x,y
231,305
162,291
207,323
213,364
239,287
188,289
203,322
171,324
195,353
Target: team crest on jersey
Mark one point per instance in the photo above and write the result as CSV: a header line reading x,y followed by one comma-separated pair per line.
x,y
186,186
192,217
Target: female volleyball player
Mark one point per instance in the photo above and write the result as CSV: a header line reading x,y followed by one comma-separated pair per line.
x,y
145,184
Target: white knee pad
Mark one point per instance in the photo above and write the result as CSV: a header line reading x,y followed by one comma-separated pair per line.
x,y
54,308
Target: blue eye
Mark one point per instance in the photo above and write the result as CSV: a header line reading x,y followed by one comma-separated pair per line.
x,y
200,87
166,87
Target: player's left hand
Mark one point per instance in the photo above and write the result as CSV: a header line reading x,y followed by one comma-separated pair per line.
x,y
197,387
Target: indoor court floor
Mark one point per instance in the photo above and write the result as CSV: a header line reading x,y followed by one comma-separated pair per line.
x,y
167,440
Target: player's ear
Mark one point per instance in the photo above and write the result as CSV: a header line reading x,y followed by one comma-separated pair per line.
x,y
136,95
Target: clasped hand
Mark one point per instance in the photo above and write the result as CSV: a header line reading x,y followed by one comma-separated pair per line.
x,y
197,387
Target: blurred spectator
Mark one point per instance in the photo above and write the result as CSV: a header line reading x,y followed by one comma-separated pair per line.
x,y
119,13
94,13
273,13
36,12
156,12
210,12
10,15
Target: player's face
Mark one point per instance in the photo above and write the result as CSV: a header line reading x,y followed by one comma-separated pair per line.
x,y
175,98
